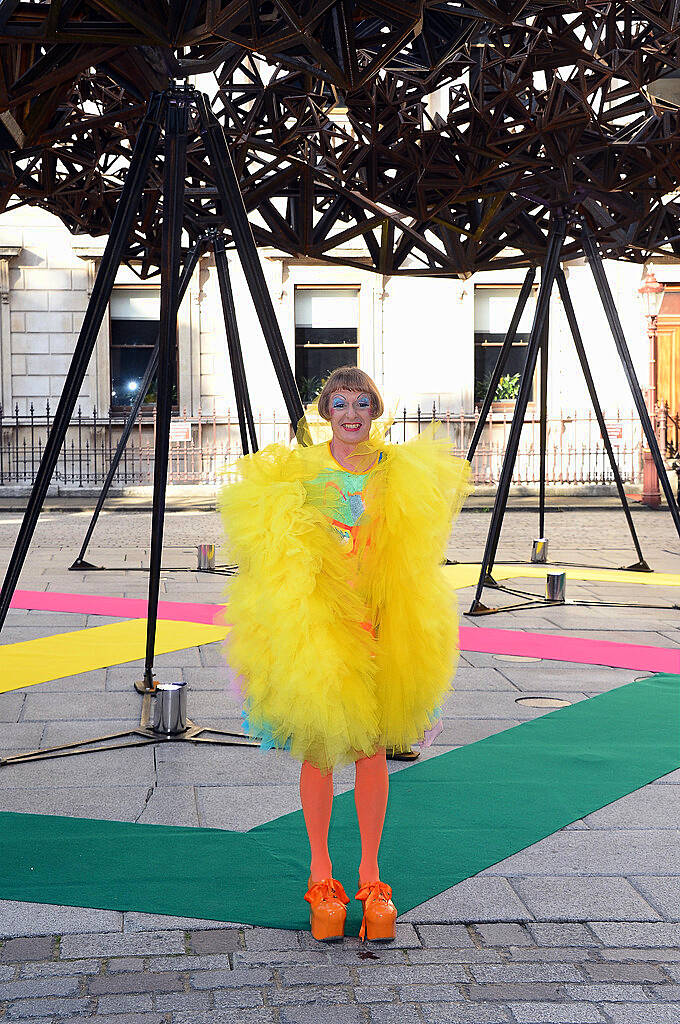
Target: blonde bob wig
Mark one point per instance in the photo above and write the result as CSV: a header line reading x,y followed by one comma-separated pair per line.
x,y
349,378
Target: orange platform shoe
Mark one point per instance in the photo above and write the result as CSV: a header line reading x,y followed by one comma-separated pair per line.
x,y
380,913
327,913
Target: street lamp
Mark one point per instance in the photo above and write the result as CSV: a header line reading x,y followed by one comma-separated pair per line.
x,y
651,293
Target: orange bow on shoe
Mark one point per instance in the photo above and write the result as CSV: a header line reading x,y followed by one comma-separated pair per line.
x,y
380,913
327,912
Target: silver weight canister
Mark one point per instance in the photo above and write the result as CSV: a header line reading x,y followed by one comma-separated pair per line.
x,y
206,556
539,551
556,586
170,708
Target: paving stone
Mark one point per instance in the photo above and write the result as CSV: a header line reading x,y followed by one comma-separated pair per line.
x,y
217,940
46,707
243,808
511,973
448,936
58,968
560,898
474,899
454,955
118,964
505,935
367,994
189,962
118,944
450,1013
131,1018
561,934
107,803
64,986
237,997
259,1016
323,975
537,991
20,918
182,1001
429,993
271,938
551,954
403,1013
305,994
400,975
238,978
623,972
662,893
17,950
603,993
673,970
643,1013
554,1013
274,958
135,981
602,852
655,808
667,992
133,921
651,933
124,1001
669,955
322,1015
54,1006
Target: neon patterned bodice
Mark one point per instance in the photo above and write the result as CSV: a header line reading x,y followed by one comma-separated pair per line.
x,y
345,491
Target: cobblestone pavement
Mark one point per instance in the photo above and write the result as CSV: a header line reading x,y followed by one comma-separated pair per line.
x,y
582,926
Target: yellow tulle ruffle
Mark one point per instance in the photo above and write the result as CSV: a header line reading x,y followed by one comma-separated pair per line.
x,y
313,675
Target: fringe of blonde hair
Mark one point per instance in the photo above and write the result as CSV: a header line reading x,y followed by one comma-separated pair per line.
x,y
349,378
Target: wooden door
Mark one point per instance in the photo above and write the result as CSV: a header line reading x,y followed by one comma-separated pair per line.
x,y
668,363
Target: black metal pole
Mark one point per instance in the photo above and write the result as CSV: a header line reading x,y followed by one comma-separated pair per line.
x,y
126,209
238,372
173,207
192,259
578,342
557,232
543,429
595,260
237,220
525,291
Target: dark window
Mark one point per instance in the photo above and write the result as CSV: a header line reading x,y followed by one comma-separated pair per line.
x,y
494,307
135,314
326,335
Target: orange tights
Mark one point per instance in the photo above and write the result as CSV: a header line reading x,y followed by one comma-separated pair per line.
x,y
370,797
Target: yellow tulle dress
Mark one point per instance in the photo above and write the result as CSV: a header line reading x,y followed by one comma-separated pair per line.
x,y
344,630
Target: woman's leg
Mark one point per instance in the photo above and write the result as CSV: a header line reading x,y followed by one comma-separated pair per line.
x,y
316,794
370,796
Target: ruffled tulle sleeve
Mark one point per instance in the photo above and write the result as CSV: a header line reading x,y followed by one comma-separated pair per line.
x,y
296,640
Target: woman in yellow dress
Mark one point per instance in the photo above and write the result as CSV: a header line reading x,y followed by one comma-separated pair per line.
x,y
344,630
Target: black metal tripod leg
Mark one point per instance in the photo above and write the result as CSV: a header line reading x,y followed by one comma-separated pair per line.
x,y
173,208
597,267
237,219
543,426
120,229
578,342
192,259
525,291
555,240
245,413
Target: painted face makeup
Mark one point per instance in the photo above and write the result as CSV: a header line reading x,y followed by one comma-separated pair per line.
x,y
351,416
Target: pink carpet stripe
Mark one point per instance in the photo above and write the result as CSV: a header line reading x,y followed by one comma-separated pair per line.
x,y
121,607
482,639
570,648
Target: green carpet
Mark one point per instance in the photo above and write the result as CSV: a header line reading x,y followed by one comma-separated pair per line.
x,y
448,818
